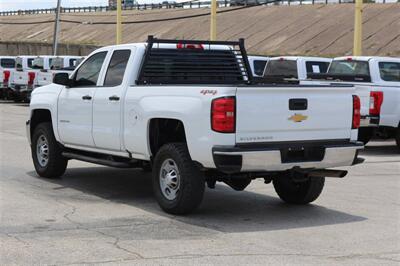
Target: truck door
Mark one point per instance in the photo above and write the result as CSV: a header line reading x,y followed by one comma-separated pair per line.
x,y
107,104
75,103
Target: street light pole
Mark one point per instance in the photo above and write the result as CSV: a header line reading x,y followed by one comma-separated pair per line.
x,y
56,27
213,21
357,48
119,22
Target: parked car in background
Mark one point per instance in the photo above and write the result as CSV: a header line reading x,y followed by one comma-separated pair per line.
x,y
294,68
53,65
7,64
190,110
379,79
23,78
257,64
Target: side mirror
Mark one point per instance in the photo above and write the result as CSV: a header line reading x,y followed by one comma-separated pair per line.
x,y
62,79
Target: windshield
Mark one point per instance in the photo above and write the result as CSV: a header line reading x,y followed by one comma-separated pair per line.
x,y
349,67
284,68
7,63
38,63
389,71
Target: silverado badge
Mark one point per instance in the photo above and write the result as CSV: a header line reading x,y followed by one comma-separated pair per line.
x,y
298,118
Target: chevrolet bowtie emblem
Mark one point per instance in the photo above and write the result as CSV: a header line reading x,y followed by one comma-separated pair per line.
x,y
298,118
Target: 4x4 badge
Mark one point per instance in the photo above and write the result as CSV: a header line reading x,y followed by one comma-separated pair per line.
x,y
298,118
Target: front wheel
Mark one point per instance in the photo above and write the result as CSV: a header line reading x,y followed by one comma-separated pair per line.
x,y
46,152
298,192
178,184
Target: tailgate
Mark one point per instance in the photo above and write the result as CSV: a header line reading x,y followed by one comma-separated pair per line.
x,y
272,114
44,78
20,77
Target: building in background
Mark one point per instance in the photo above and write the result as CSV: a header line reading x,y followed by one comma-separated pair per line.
x,y
113,3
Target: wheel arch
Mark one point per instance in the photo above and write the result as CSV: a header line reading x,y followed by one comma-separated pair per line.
x,y
38,116
164,130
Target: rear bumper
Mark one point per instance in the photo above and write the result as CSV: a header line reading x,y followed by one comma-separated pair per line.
x,y
318,155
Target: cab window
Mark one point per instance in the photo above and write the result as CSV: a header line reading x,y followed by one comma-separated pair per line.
x,y
282,68
389,71
88,73
259,66
314,67
7,63
349,67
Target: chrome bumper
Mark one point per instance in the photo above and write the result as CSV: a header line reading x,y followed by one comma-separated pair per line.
x,y
233,159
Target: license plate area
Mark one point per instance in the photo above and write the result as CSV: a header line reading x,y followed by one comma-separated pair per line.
x,y
302,154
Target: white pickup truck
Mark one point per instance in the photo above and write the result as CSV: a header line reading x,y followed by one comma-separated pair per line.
x,y
379,79
7,64
189,110
23,77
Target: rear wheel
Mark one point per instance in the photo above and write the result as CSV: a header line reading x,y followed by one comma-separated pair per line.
x,y
298,192
365,134
46,153
178,184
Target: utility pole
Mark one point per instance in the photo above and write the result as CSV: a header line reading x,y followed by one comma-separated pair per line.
x,y
56,27
213,20
357,49
119,22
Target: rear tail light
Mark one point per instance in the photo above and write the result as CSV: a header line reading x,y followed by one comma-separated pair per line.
x,y
31,77
356,112
189,46
6,78
223,115
376,100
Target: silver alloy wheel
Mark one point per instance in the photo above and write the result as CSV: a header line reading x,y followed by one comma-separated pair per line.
x,y
169,179
42,151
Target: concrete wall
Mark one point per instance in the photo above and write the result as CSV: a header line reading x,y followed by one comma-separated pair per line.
x,y
325,30
36,48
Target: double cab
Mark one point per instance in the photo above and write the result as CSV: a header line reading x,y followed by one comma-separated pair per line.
x,y
190,112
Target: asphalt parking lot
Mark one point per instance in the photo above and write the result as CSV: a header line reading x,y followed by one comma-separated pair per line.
x,y
101,215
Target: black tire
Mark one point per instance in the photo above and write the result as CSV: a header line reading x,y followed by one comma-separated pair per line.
x,y
298,192
365,134
56,163
191,186
397,137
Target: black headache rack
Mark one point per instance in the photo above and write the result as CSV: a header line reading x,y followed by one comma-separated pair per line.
x,y
194,62
340,77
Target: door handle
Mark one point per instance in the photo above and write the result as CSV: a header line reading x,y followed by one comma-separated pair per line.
x,y
113,98
87,97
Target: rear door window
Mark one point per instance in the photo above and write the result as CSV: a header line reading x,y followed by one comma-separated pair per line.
x,y
116,68
314,67
281,68
7,63
389,71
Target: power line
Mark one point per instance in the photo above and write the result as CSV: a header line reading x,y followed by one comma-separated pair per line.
x,y
136,22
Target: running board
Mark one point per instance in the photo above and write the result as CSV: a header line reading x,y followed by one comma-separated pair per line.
x,y
101,161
